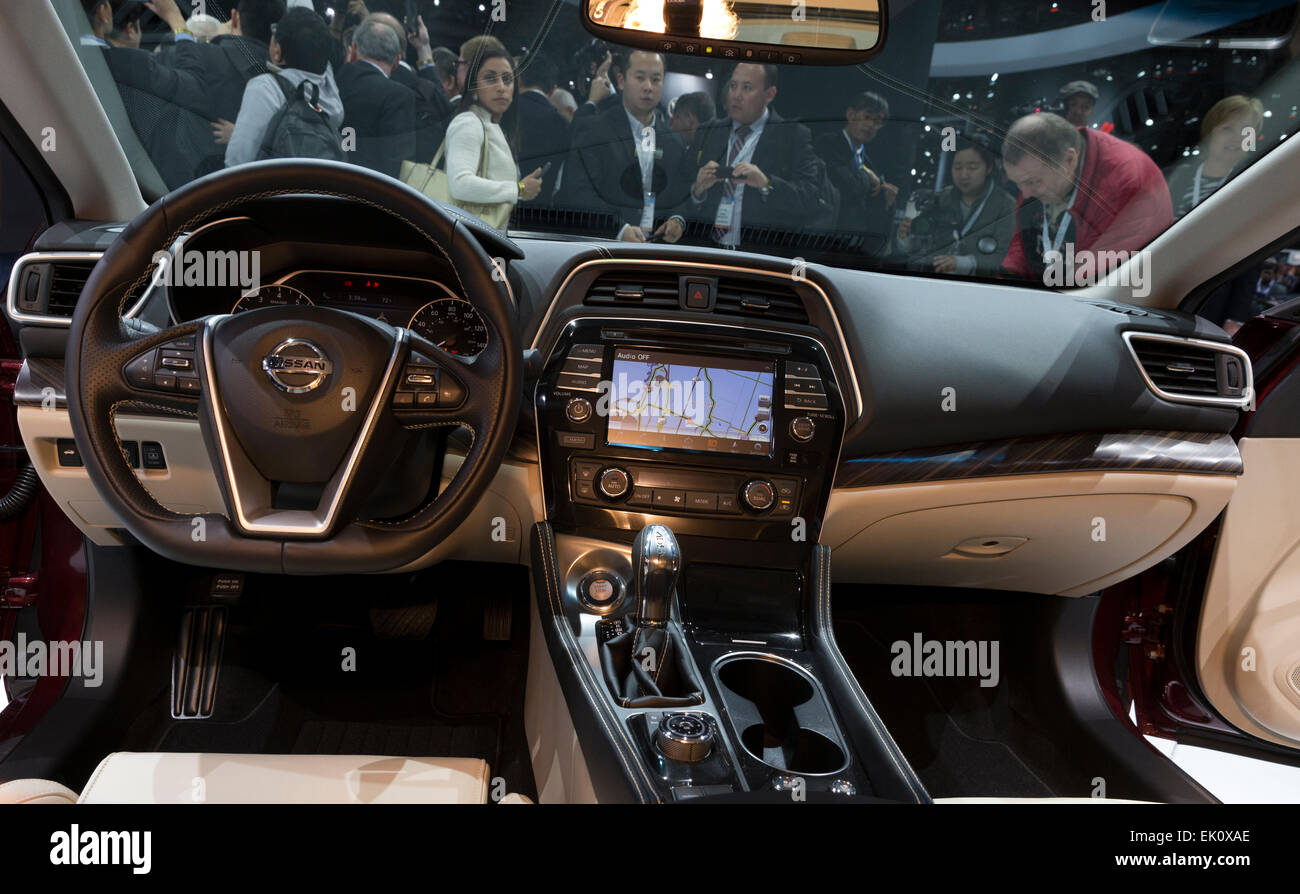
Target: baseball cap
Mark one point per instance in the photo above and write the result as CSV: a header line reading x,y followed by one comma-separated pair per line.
x,y
1074,87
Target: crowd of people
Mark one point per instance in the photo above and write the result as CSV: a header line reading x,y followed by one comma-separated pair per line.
x,y
276,81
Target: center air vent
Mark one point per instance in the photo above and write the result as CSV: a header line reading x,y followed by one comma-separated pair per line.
x,y
1191,370
768,299
634,288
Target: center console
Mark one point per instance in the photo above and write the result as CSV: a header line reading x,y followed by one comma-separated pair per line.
x,y
686,468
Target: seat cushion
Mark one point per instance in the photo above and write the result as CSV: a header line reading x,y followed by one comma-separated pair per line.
x,y
36,791
155,778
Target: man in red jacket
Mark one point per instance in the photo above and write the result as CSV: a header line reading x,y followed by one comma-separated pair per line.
x,y
1083,194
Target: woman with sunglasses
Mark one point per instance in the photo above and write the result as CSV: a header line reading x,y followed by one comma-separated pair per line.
x,y
481,167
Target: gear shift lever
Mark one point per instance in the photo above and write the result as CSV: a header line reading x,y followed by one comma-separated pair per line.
x,y
650,665
656,562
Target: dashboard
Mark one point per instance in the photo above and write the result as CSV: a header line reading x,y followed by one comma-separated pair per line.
x,y
910,422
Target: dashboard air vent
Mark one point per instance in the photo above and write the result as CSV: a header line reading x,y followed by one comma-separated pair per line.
x,y
634,288
769,300
1191,370
67,279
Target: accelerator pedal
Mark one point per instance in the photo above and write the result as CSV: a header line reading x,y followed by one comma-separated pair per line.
x,y
196,664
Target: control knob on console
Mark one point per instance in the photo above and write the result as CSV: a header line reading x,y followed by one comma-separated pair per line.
x,y
802,428
578,409
684,737
614,482
758,495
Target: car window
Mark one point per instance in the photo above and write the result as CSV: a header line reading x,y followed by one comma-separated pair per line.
x,y
1029,141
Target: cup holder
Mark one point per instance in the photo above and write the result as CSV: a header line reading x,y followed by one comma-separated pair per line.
x,y
781,716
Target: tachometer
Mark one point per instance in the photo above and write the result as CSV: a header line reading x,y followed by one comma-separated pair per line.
x,y
452,324
270,296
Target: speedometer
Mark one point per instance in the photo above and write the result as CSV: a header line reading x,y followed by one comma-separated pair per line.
x,y
452,324
271,296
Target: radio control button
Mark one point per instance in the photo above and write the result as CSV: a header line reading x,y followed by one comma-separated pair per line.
x,y
578,366
587,352
615,483
577,383
805,401
578,410
759,495
802,429
802,371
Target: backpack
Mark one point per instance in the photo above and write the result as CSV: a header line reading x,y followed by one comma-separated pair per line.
x,y
300,129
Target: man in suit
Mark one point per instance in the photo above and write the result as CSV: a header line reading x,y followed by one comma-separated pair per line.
x,y
777,181
543,132
866,198
380,111
626,161
432,107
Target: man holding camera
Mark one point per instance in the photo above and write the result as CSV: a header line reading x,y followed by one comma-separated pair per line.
x,y
866,198
761,170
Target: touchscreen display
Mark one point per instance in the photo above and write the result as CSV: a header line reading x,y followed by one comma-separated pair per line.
x,y
664,400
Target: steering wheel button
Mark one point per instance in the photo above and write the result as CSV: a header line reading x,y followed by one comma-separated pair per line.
x,y
177,363
140,370
152,454
403,399
166,381
419,379
188,384
426,399
450,392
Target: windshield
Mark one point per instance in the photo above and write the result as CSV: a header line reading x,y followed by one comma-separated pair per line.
x,y
1039,142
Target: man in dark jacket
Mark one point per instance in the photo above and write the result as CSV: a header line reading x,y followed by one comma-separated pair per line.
x,y
433,109
627,161
379,111
543,132
866,199
777,181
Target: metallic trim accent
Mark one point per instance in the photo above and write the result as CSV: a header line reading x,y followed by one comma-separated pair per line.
x,y
626,262
1247,397
294,522
179,245
41,257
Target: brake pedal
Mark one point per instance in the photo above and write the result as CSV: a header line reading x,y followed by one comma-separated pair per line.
x,y
196,664
498,617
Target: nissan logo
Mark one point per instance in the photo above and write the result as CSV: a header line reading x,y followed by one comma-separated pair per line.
x,y
297,366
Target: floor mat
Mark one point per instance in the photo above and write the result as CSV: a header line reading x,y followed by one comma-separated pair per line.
x,y
339,685
962,739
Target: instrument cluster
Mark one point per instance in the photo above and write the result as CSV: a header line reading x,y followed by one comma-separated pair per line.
x,y
426,307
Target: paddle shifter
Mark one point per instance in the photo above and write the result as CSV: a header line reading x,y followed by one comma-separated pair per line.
x,y
650,666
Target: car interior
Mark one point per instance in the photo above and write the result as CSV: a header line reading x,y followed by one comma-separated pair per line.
x,y
319,489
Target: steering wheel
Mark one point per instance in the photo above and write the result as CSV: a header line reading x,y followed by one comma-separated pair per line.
x,y
292,399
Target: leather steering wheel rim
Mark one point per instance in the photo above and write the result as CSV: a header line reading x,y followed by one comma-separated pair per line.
x,y
100,344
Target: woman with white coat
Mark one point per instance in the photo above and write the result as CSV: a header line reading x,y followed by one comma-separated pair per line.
x,y
489,94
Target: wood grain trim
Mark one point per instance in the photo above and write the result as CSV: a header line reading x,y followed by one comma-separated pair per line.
x,y
1132,451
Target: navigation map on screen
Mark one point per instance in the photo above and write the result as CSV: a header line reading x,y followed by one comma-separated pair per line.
x,y
688,402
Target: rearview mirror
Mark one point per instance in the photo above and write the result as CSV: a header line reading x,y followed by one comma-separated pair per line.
x,y
810,32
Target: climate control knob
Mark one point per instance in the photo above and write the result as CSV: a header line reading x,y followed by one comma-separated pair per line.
x,y
802,429
759,495
615,483
578,409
